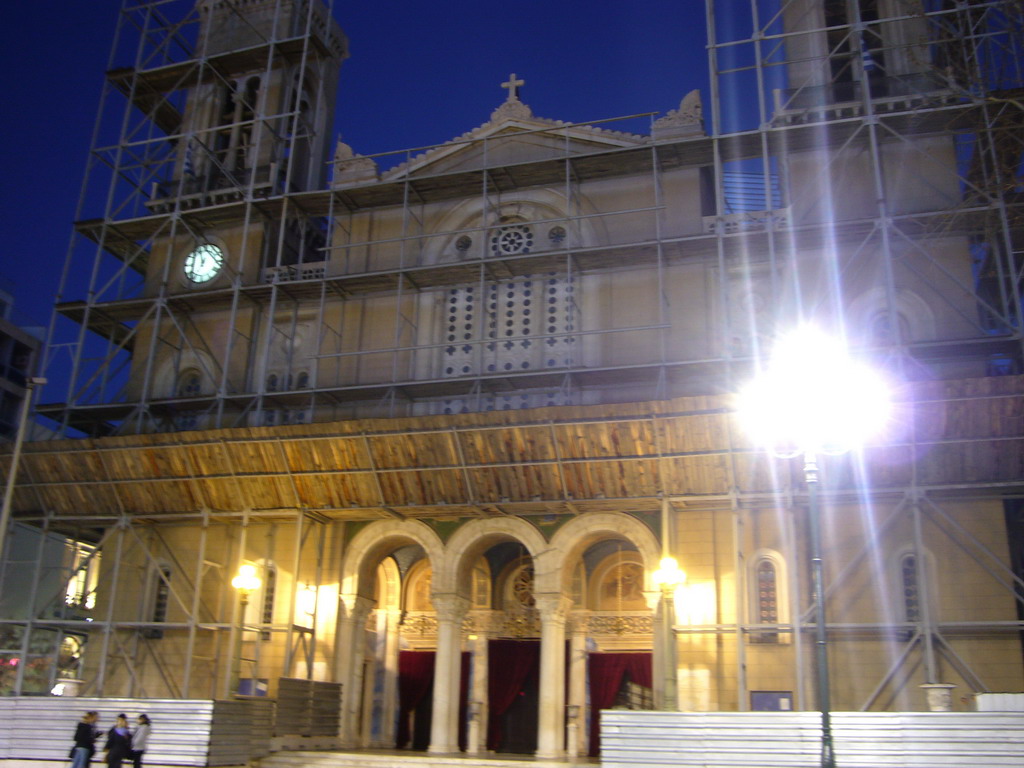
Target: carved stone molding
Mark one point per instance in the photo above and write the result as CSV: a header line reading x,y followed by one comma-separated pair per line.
x,y
688,120
513,109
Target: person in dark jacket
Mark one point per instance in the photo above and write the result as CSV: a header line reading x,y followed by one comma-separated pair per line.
x,y
85,741
119,743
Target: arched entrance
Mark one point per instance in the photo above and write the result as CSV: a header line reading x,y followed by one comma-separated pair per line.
x,y
480,644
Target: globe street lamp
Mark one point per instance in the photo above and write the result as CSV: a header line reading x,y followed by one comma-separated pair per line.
x,y
668,577
814,399
246,582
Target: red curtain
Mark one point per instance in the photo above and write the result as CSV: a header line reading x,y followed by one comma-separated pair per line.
x,y
606,671
509,663
415,679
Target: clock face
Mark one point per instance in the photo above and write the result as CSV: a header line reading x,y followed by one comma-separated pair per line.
x,y
204,263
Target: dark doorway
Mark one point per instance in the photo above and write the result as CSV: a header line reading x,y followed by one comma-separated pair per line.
x,y
519,723
416,698
514,695
415,695
422,718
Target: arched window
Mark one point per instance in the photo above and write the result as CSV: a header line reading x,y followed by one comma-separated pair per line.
x,y
767,609
617,582
247,98
912,579
769,605
417,586
302,380
159,596
161,593
272,382
481,590
267,603
910,589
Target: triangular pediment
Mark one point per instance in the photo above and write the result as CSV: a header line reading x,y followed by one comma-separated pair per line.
x,y
513,136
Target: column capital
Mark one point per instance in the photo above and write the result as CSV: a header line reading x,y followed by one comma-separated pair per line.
x,y
553,606
579,621
356,606
450,607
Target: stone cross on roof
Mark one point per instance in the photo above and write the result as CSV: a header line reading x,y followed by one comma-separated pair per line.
x,y
513,87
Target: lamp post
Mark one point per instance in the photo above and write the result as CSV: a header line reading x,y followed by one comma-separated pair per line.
x,y
814,399
668,577
246,582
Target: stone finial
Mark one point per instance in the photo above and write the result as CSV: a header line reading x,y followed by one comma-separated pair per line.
x,y
688,120
350,168
691,109
342,151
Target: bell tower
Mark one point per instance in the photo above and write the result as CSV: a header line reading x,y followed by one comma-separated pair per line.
x,y
258,114
205,142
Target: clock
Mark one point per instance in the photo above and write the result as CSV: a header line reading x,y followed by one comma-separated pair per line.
x,y
204,263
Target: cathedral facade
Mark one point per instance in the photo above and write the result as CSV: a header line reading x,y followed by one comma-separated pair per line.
x,y
451,412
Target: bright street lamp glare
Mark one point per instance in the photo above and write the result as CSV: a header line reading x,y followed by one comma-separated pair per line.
x,y
813,397
669,574
246,580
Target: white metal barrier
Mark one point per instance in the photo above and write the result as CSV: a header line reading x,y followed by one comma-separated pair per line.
x,y
792,739
38,731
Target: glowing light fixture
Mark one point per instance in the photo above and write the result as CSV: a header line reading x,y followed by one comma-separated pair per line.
x,y
246,581
669,575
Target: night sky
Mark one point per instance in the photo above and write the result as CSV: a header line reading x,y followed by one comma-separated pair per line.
x,y
419,73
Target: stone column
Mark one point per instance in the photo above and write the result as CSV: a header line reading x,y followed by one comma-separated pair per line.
x,y
351,643
389,708
444,726
476,739
658,655
578,685
554,609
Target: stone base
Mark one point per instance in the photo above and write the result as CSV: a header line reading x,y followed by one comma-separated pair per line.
x,y
939,696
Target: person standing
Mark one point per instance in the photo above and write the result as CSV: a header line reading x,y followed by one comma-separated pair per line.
x,y
119,742
140,739
85,740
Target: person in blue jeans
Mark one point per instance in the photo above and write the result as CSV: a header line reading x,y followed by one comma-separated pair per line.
x,y
85,740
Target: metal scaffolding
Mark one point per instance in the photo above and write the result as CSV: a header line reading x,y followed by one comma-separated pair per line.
x,y
202,142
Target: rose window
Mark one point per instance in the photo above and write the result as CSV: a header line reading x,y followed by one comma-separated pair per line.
x,y
511,239
522,587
